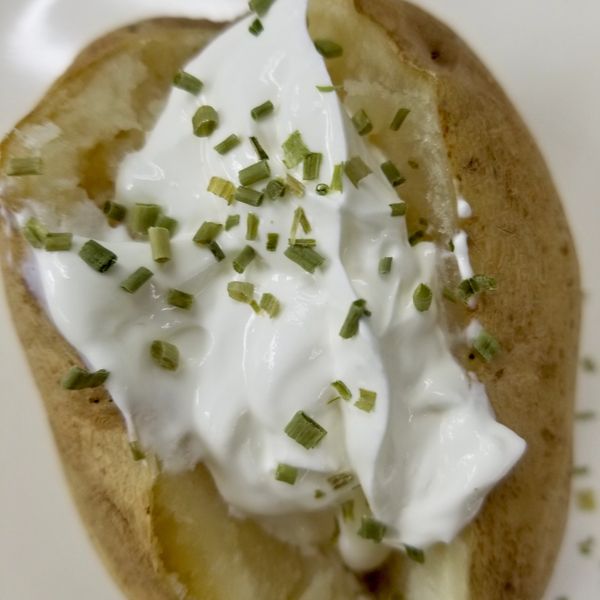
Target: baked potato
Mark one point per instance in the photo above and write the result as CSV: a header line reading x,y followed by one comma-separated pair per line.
x,y
167,535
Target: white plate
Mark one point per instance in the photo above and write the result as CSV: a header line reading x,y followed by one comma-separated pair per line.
x,y
544,53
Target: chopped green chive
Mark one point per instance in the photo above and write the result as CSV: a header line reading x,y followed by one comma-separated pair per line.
x,y
58,242
272,241
186,81
96,256
207,233
260,151
356,170
142,217
256,27
329,88
232,221
398,209
399,118
160,243
322,189
306,242
115,213
448,294
392,174
205,121
29,165
358,309
413,164
222,187
486,346
300,219
362,123
243,259
241,291
586,500
385,265
275,189
475,285
371,529
579,470
416,237
256,172
340,480
422,297
585,415
296,187
347,508
270,305
588,364
260,7
80,379
586,546
247,195
228,144
304,430
136,451
262,110
308,258
286,473
252,223
451,245
342,389
337,184
165,355
136,280
294,150
180,299
35,233
328,48
167,223
319,494
312,166
216,251
366,400
415,554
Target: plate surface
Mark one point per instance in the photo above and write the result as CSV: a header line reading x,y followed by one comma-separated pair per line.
x,y
544,54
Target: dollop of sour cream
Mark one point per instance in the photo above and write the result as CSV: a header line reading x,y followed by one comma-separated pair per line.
x,y
430,448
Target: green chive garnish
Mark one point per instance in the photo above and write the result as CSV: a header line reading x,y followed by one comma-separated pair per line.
x,y
304,430
413,164
35,233
398,209
160,243
586,499
260,151
180,299
415,554
296,187
275,189
586,546
222,188
486,346
399,118
356,170
262,110
136,280
249,196
256,27
58,242
366,400
272,241
294,150
142,217
371,529
136,451
286,473
328,48
348,510
300,219
312,166
115,213
229,143
270,305
342,389
340,480
588,364
392,174
306,242
165,355
260,7
362,123
186,81
416,237
385,265
337,184
319,494
474,285
322,189
29,165
422,297
207,233
252,223
243,259
241,291
358,309
256,172
96,256
168,223
308,258
216,251
80,379
232,221
329,88
205,121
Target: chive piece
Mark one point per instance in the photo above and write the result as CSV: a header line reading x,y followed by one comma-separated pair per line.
x,y
207,233
586,500
329,88
416,237
252,223
180,299
136,280
249,196
586,546
58,242
136,451
474,285
588,364
260,7
371,529
413,164
80,379
272,241
262,110
319,494
356,170
294,150
232,221
366,400
115,213
305,242
448,294
415,554
328,48
256,172
422,297
222,187
160,243
165,355
392,174
385,265
35,233
270,305
308,258
228,144
301,219
296,187
399,118
337,184
260,151
96,256
579,470
312,166
286,473
398,209
340,480
29,165
486,346
243,259
585,415
187,82
205,121
216,251
275,189
357,310
451,246
342,389
304,430
142,217
167,223
362,123
241,291
348,510
256,27
322,189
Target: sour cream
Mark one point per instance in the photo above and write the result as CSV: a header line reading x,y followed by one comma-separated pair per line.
x,y
428,451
